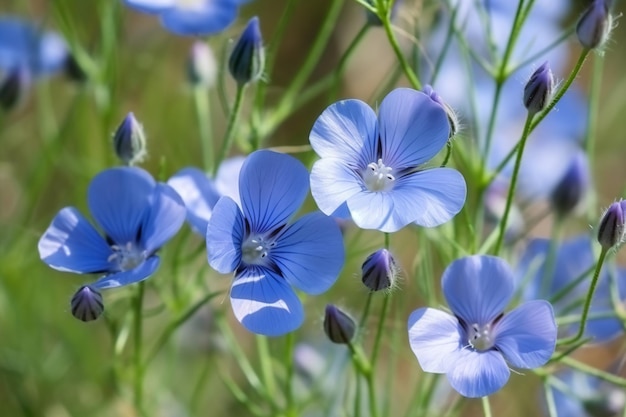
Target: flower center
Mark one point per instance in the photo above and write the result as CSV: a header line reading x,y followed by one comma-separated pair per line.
x,y
126,257
378,177
481,338
255,249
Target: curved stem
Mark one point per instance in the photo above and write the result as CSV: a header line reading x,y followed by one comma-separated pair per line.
x,y
230,129
406,67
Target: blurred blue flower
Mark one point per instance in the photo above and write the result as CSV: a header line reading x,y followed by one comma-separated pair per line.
x,y
475,345
371,167
267,254
191,17
137,216
573,258
200,193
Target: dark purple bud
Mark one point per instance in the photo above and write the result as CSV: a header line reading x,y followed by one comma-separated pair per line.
x,y
538,89
13,86
379,271
201,65
247,61
129,141
573,187
73,70
87,304
453,119
611,229
594,25
338,326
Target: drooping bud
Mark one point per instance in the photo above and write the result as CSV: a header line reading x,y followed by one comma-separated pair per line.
x,y
13,86
201,65
453,119
594,25
611,229
572,188
338,326
87,304
538,89
129,141
379,271
247,61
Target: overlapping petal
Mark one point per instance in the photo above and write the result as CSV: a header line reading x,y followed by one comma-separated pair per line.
x,y
150,6
333,183
272,188
164,218
478,288
72,244
224,236
477,374
132,276
310,253
265,303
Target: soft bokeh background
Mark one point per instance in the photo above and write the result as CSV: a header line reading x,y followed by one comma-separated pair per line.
x,y
60,136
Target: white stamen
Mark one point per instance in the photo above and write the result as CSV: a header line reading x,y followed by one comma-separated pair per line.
x,y
481,338
378,177
126,257
255,249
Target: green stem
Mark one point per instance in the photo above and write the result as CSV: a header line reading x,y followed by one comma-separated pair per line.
x,y
406,67
550,399
265,360
590,370
137,341
592,126
486,405
230,129
202,106
289,399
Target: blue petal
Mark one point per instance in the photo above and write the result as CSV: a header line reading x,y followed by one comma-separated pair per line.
x,y
72,244
346,130
527,335
120,279
477,374
164,218
227,177
333,183
119,199
435,338
478,288
208,18
265,303
310,253
199,195
52,54
376,210
413,128
273,186
224,236
150,6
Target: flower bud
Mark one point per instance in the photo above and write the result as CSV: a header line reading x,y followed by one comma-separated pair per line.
x,y
453,119
379,271
87,304
73,70
572,188
129,141
201,65
611,229
338,326
538,89
247,61
13,86
594,25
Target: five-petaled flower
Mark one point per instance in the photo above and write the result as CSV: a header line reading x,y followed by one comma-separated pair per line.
x,y
370,167
137,216
475,345
267,254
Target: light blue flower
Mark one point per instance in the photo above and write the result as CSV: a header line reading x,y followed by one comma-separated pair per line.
x,y
371,168
137,216
475,345
268,254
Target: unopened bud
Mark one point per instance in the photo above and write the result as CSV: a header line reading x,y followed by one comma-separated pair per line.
x,y
338,326
379,271
201,65
73,70
87,304
611,229
572,188
594,25
247,61
13,86
538,89
453,119
129,141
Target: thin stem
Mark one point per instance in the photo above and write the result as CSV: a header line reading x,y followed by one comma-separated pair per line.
x,y
137,342
202,107
265,360
550,399
583,367
393,41
486,406
289,399
230,129
592,125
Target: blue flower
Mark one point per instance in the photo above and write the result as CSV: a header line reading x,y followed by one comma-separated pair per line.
x,y
267,254
137,216
371,166
475,345
191,17
573,259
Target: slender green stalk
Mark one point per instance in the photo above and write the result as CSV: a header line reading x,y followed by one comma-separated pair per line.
x,y
265,359
202,105
583,367
486,406
291,409
383,14
138,345
592,126
371,392
230,128
549,399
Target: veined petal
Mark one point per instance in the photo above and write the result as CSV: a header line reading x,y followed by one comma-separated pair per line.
x,y
202,18
435,338
377,210
477,374
119,199
199,195
478,288
164,218
150,6
224,236
527,335
72,244
310,253
120,279
333,183
273,186
265,303
413,128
